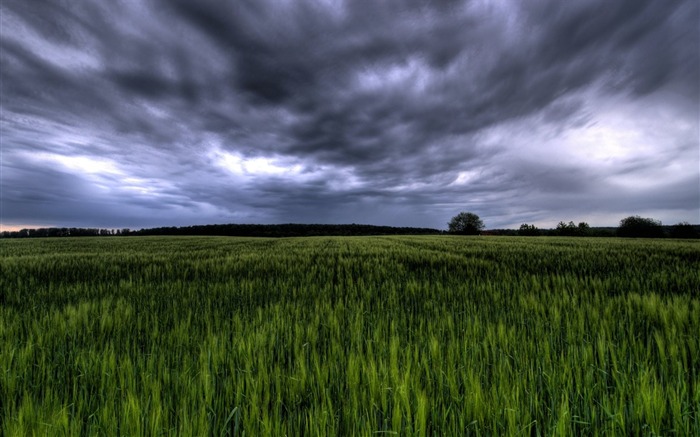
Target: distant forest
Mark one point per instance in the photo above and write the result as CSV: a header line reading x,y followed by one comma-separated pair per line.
x,y
232,230
309,230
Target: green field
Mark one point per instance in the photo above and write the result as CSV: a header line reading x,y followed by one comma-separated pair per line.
x,y
438,335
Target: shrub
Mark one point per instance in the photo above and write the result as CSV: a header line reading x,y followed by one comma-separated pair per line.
x,y
639,227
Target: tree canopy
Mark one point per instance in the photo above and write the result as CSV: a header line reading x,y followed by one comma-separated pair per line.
x,y
529,230
640,227
571,230
465,223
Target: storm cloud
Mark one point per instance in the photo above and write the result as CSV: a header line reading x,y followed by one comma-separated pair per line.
x,y
400,112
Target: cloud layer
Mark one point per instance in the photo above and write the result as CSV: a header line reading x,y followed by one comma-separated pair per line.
x,y
401,112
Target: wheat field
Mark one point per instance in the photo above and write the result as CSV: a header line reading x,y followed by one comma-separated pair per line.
x,y
419,335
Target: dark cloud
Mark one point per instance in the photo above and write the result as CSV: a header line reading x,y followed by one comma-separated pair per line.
x,y
394,112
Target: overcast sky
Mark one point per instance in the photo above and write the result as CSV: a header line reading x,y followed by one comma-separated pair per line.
x,y
394,112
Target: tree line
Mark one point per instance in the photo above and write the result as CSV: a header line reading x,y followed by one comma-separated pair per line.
x,y
467,223
64,232
233,230
464,223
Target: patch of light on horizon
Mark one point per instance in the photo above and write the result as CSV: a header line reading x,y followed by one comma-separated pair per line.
x,y
14,227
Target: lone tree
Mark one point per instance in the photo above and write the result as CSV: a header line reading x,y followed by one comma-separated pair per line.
x,y
466,223
639,227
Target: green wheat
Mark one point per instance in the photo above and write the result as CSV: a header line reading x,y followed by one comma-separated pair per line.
x,y
437,335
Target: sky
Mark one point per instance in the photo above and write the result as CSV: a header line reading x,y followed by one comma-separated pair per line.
x,y
395,112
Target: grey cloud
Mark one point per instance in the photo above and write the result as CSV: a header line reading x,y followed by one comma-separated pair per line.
x,y
29,191
398,96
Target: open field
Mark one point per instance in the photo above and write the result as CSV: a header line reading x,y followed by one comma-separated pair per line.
x,y
437,335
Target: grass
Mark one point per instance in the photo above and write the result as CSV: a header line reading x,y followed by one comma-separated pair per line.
x,y
436,335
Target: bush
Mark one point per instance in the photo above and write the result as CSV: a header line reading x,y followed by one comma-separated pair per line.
x,y
639,227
